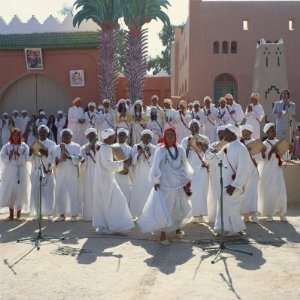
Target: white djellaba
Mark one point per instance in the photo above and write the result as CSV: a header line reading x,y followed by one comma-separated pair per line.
x,y
15,183
200,179
167,208
141,186
272,195
236,165
87,176
67,193
48,180
110,208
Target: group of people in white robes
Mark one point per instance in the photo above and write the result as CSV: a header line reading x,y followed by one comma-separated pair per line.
x,y
152,167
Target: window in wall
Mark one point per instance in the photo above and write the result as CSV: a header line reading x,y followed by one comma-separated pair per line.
x,y
245,24
291,25
216,47
225,47
233,47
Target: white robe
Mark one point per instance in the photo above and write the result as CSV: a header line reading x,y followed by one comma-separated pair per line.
x,y
67,192
168,208
249,203
272,196
106,120
125,180
48,181
209,123
156,129
141,186
254,118
200,181
5,126
237,115
136,132
15,184
23,122
74,115
182,126
87,179
110,208
223,116
60,125
237,161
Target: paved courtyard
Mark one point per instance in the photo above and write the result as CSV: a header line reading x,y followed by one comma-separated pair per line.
x,y
91,266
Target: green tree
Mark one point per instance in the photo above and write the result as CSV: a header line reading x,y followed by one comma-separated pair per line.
x,y
136,14
106,14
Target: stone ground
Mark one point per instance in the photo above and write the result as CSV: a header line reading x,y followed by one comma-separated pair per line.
x,y
91,266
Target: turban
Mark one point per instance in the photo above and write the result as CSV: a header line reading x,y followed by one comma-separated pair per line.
x,y
268,126
5,114
106,133
106,101
120,130
228,96
221,128
44,127
147,131
42,113
24,111
194,121
196,102
66,130
255,96
235,130
60,112
77,99
207,98
92,104
167,100
247,127
90,130
15,111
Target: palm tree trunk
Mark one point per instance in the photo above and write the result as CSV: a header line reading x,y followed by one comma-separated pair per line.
x,y
108,64
136,65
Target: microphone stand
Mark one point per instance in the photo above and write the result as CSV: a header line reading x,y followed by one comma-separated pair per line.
x,y
222,244
40,237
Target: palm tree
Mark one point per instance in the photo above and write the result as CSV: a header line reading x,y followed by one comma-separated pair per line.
x,y
136,14
106,14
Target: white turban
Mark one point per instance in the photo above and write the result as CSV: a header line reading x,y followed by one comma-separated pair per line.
x,y
90,130
42,113
106,101
106,133
43,127
147,131
268,126
120,130
247,127
24,111
194,121
196,102
66,130
221,128
92,104
5,114
235,130
15,111
60,112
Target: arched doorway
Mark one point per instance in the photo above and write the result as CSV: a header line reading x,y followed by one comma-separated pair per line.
x,y
224,84
33,92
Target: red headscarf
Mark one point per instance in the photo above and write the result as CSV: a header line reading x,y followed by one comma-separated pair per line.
x,y
15,131
164,140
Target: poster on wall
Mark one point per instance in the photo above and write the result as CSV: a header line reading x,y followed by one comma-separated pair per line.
x,y
77,78
34,59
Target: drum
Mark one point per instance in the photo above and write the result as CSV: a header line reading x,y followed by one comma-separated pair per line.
x,y
282,147
256,147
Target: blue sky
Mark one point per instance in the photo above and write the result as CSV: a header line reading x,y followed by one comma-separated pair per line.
x,y
43,8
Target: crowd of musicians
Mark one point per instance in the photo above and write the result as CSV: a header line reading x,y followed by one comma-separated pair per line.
x,y
154,167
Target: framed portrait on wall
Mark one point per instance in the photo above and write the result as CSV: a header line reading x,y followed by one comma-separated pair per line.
x,y
34,59
77,78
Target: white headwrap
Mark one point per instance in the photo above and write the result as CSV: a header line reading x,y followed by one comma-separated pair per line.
x,y
106,133
42,113
120,130
90,130
235,130
15,111
92,104
60,112
247,127
267,127
5,114
194,121
24,111
43,127
221,128
66,130
196,102
147,131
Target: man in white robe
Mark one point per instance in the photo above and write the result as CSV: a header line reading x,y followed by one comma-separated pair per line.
x,y
76,120
235,111
171,116
139,121
155,126
284,111
195,147
67,192
60,123
16,118
272,195
236,161
106,117
142,157
41,119
88,169
209,119
24,120
91,116
254,115
183,120
223,116
111,213
124,177
43,162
